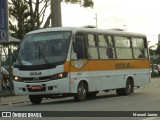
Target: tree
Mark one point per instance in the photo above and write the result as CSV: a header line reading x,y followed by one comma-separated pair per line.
x,y
158,50
56,10
84,3
18,18
27,15
151,51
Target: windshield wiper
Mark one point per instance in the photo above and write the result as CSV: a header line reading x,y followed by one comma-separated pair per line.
x,y
44,58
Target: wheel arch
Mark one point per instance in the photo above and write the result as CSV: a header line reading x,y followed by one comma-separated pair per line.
x,y
131,79
129,87
82,89
85,82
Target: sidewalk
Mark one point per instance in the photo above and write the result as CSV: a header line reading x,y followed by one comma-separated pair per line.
x,y
14,99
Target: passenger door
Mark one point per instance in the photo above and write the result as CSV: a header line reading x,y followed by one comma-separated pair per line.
x,y
79,62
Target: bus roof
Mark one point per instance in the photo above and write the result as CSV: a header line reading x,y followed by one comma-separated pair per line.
x,y
89,30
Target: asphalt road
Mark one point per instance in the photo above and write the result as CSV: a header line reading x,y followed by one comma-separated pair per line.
x,y
144,99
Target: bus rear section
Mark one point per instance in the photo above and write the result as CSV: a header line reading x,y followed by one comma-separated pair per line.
x,y
108,60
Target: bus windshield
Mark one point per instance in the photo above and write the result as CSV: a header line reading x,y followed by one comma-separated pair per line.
x,y
44,48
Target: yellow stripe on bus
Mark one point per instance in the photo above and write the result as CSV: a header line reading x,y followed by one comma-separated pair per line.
x,y
103,65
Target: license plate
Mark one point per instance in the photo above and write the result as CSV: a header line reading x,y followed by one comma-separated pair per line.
x,y
36,87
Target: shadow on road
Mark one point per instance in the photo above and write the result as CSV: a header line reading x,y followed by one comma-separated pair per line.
x,y
67,100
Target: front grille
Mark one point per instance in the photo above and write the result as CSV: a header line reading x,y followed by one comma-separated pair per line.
x,y
36,79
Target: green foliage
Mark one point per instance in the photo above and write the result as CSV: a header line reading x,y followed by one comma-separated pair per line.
x,y
84,3
158,50
151,51
14,54
88,3
18,18
28,15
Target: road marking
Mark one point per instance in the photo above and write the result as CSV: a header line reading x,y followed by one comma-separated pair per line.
x,y
150,118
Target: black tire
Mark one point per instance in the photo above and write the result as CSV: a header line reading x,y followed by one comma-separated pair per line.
x,y
127,90
91,94
81,92
35,99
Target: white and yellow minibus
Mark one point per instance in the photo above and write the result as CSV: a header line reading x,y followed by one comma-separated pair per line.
x,y
80,62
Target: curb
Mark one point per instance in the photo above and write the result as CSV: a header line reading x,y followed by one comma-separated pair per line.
x,y
13,100
11,103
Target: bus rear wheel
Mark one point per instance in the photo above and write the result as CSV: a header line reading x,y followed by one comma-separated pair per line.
x,y
127,90
81,92
35,99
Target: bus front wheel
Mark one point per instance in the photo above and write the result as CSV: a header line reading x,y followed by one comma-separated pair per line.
x,y
35,99
81,92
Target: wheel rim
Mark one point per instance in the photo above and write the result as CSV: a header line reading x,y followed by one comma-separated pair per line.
x,y
129,87
81,91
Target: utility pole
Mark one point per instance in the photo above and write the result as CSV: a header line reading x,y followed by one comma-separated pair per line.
x,y
96,20
125,27
56,13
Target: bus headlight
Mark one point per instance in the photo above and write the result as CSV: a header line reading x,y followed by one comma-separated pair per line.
x,y
18,79
59,76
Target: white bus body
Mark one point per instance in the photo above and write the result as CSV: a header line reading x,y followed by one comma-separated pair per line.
x,y
83,62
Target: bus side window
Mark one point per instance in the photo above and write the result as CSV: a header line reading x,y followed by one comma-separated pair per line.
x,y
139,48
102,47
105,44
92,48
123,47
79,49
142,53
110,50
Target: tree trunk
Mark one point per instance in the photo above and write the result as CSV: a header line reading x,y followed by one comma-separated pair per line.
x,y
32,15
56,13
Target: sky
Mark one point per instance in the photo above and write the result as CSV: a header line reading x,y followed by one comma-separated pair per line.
x,y
141,16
